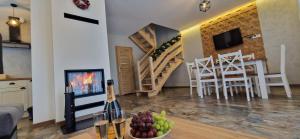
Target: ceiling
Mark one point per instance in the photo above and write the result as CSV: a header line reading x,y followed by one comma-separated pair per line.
x,y
22,11
125,17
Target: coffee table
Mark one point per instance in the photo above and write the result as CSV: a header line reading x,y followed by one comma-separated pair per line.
x,y
185,129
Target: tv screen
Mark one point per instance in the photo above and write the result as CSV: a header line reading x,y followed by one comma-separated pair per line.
x,y
86,82
228,39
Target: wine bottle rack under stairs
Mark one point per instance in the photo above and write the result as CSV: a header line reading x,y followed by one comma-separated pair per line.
x,y
153,74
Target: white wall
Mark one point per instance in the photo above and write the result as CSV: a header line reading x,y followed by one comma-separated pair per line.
x,y
78,45
192,45
121,40
42,61
59,44
280,24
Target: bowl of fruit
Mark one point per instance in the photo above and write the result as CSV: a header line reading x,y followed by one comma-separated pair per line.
x,y
147,125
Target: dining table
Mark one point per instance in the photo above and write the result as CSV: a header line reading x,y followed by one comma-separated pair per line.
x,y
261,69
184,129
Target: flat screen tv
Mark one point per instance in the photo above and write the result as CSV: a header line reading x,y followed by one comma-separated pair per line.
x,y
228,39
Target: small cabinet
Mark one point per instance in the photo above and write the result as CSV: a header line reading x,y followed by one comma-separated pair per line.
x,y
16,92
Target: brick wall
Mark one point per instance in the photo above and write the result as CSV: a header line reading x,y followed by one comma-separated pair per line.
x,y
246,19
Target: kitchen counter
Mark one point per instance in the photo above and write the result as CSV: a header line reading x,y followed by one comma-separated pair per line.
x,y
15,79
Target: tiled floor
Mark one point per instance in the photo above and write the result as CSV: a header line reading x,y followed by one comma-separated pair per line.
x,y
276,118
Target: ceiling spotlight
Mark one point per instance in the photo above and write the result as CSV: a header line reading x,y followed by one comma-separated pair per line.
x,y
204,6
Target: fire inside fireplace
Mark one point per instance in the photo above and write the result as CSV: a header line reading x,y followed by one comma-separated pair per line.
x,y
85,82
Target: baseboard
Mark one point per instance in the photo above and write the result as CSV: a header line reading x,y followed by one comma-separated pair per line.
x,y
46,123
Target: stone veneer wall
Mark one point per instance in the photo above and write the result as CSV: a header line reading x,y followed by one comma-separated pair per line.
x,y
246,19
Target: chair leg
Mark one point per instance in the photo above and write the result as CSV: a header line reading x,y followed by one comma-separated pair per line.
x,y
200,90
208,89
236,88
247,90
204,89
287,86
217,89
191,89
225,90
257,86
251,88
230,89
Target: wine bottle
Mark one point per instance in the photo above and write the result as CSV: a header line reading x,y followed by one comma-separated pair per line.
x,y
112,104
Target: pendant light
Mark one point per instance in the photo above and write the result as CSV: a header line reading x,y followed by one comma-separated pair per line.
x,y
12,20
204,6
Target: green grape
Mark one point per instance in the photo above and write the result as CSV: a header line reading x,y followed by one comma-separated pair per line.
x,y
166,125
163,113
160,122
159,133
157,127
165,131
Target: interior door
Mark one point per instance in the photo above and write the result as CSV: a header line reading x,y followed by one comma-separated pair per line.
x,y
125,70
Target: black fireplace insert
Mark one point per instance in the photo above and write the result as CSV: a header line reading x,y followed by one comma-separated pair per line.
x,y
85,82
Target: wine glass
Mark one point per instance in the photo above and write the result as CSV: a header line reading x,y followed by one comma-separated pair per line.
x,y
119,122
101,123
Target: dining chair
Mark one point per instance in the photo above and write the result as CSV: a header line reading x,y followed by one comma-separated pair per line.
x,y
191,68
282,75
206,74
233,70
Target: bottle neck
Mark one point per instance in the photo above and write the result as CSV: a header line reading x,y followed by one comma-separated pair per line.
x,y
110,93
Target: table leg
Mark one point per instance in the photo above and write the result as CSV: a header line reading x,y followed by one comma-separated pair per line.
x,y
262,79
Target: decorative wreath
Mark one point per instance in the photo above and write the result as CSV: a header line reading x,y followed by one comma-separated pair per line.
x,y
82,4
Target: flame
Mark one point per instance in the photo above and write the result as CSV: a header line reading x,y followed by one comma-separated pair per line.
x,y
88,78
83,81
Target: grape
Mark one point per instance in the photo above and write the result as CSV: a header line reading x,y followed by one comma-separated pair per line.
x,y
159,133
148,125
157,126
161,122
166,125
150,134
138,134
163,113
144,135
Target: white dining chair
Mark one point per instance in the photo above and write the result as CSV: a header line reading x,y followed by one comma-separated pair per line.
x,y
191,68
205,75
233,70
282,75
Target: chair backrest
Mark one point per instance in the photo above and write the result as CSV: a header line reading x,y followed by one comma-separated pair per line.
x,y
205,67
282,58
191,68
232,64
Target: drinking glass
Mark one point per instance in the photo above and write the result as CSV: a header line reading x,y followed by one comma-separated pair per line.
x,y
119,123
101,123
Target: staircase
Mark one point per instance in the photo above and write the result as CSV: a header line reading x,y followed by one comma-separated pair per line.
x,y
145,38
153,73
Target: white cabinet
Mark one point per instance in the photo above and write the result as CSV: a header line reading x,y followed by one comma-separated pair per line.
x,y
16,92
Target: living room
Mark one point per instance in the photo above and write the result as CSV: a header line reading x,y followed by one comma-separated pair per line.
x,y
65,60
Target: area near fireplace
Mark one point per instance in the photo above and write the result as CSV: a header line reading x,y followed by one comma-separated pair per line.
x,y
85,82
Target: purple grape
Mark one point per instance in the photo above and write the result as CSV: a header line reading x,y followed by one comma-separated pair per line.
x,y
138,134
144,135
150,134
149,125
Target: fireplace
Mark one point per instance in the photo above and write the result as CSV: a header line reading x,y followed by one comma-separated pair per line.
x,y
85,82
